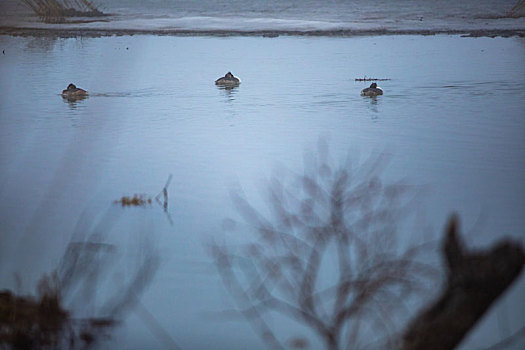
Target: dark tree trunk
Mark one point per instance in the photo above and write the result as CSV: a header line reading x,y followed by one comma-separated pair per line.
x,y
475,281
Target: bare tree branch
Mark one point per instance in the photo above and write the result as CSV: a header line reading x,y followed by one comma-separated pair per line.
x,y
474,281
344,217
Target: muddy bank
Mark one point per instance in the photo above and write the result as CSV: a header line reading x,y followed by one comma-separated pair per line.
x,y
94,33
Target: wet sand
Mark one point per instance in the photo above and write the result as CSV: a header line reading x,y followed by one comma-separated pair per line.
x,y
95,32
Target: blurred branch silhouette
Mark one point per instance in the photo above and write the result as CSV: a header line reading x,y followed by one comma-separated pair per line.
x,y
329,255
474,281
65,314
503,344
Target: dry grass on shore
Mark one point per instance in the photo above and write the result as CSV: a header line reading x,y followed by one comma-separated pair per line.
x,y
518,10
55,11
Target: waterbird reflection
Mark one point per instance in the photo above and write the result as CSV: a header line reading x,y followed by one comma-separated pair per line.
x,y
229,91
372,104
74,102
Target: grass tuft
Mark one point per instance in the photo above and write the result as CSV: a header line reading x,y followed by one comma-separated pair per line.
x,y
56,11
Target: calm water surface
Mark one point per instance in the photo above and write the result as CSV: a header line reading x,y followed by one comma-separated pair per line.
x,y
452,118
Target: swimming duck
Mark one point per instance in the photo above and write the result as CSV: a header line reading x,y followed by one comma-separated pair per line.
x,y
72,91
371,91
228,79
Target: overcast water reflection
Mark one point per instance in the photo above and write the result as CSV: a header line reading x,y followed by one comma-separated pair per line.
x,y
451,119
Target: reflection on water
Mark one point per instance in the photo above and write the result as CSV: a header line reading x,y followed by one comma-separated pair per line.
x,y
372,104
143,121
74,101
44,43
229,91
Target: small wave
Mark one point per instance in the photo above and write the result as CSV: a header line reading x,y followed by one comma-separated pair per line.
x,y
477,88
126,94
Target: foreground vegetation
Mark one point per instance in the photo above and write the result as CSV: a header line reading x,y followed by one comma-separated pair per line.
x,y
65,312
329,255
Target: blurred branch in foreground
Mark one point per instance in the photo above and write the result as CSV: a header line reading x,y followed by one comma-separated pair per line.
x,y
80,302
330,256
474,281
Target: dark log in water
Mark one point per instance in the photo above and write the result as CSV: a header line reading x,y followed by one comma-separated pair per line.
x,y
371,79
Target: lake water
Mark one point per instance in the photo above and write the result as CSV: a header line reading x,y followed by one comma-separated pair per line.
x,y
452,119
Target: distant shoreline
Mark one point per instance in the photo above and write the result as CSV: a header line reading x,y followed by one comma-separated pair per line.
x,y
94,33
